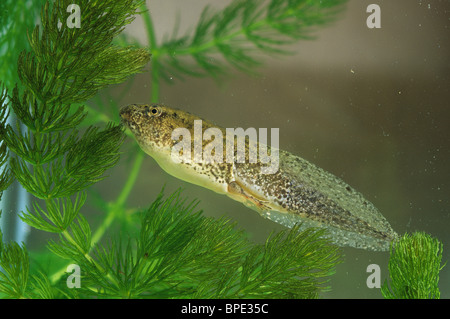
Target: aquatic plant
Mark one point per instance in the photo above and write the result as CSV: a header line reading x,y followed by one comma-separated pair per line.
x,y
49,156
414,266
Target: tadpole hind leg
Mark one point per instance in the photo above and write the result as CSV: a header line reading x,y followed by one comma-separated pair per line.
x,y
235,188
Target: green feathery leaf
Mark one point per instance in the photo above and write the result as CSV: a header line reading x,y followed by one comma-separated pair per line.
x,y
6,177
237,35
75,242
414,266
14,265
57,215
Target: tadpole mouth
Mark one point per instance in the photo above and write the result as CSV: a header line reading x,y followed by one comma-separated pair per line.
x,y
123,111
128,117
125,114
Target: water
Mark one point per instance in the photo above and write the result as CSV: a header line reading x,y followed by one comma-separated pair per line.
x,y
368,105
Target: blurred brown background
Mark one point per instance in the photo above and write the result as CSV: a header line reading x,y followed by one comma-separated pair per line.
x,y
369,105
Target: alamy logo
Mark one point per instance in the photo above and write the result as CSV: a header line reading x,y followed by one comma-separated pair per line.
x,y
73,280
374,19
74,19
374,279
213,151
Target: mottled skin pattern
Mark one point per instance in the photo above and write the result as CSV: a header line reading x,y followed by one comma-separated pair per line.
x,y
298,188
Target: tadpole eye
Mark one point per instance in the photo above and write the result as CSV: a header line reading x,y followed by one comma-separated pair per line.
x,y
154,111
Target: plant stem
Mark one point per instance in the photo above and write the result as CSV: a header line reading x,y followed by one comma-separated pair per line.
x,y
151,37
117,206
131,179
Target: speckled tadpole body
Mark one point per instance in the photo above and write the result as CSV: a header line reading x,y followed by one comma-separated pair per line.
x,y
298,192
